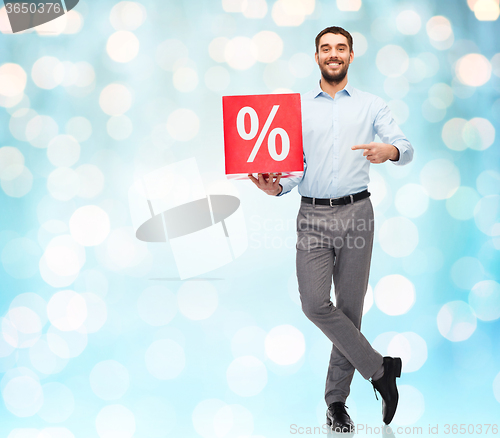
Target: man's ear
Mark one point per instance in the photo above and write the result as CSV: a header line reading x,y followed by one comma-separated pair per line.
x,y
351,56
316,57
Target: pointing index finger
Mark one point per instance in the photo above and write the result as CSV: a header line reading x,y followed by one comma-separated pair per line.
x,y
361,146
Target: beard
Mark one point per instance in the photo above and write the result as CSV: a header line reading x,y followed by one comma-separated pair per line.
x,y
334,77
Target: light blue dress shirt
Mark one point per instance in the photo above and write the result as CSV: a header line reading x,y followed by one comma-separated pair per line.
x,y
330,127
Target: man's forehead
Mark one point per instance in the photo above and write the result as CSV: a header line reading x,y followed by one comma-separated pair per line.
x,y
332,39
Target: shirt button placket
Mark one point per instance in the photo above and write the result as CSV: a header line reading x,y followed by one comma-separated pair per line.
x,y
336,146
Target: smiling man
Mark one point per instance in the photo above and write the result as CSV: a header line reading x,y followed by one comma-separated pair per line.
x,y
335,219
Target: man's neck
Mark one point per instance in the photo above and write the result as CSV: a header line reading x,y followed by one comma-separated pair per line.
x,y
331,88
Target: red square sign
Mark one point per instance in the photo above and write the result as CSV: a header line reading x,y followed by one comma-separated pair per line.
x,y
262,134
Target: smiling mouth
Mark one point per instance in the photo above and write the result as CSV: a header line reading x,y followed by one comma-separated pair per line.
x,y
333,64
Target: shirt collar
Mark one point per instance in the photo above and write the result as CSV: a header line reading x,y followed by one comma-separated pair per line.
x,y
348,89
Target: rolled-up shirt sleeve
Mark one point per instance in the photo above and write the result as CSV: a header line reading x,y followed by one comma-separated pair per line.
x,y
390,133
289,183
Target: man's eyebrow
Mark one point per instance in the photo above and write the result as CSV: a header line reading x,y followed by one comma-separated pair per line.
x,y
329,45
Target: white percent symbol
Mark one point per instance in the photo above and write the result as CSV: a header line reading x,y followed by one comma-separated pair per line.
x,y
254,128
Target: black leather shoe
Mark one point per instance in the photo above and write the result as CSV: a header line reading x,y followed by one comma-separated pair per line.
x,y
387,388
338,418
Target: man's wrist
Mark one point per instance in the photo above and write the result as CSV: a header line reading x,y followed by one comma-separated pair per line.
x,y
280,190
395,154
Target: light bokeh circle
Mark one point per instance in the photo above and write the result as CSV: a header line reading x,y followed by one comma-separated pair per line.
x,y
47,72
488,183
197,300
246,376
165,359
23,396
115,99
67,310
285,344
496,387
122,46
115,421
269,46
119,127
487,215
411,348
157,305
249,341
392,60
185,79
411,200
18,186
97,313
66,344
217,78
58,402
440,178
63,151
183,124
127,15
408,22
91,181
21,327
473,70
484,298
12,80
233,421
394,294
452,134
63,183
466,272
241,53
79,127
109,380
11,162
20,257
456,321
398,236
478,134
89,225
462,204
203,417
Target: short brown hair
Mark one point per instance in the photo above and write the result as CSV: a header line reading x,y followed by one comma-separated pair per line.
x,y
337,31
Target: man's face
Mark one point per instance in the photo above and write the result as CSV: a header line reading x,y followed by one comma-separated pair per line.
x,y
333,57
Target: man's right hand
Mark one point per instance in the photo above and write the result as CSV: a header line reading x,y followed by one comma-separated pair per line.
x,y
269,185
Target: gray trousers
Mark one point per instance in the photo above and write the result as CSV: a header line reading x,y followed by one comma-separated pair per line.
x,y
336,242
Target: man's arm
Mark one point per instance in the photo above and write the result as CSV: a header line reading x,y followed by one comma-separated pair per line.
x,y
391,135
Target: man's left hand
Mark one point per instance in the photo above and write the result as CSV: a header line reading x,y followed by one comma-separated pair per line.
x,y
378,152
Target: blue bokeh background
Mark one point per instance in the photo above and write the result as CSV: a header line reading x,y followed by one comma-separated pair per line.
x,y
95,100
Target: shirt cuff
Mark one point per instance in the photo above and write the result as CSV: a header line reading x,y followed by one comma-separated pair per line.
x,y
405,153
282,191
